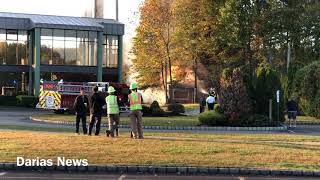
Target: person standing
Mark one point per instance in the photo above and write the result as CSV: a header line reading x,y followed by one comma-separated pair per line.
x,y
202,103
96,103
135,100
292,108
113,112
80,106
210,101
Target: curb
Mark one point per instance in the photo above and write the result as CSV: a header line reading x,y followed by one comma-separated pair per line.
x,y
177,170
184,128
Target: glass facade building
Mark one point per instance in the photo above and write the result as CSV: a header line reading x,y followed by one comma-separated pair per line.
x,y
34,47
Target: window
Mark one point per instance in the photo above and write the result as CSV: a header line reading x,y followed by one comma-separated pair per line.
x,y
12,35
110,58
19,80
58,47
82,47
46,46
13,47
69,47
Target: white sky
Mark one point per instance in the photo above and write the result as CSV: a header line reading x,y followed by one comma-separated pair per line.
x,y
127,9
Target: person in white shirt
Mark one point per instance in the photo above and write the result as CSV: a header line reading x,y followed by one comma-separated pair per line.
x,y
210,101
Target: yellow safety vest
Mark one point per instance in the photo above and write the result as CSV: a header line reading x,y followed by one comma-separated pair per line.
x,y
112,104
135,101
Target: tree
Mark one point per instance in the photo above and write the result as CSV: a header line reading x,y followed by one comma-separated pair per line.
x,y
235,102
268,82
307,89
152,44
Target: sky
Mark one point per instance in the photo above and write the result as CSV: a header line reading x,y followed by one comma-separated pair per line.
x,y
127,10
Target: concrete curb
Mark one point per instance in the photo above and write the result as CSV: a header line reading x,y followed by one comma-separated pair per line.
x,y
183,128
177,170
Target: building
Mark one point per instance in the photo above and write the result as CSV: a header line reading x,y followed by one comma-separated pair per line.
x,y
34,47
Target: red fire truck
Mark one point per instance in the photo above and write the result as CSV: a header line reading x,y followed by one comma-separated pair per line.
x,y
60,96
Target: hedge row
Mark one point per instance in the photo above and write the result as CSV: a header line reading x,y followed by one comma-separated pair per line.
x,y
21,100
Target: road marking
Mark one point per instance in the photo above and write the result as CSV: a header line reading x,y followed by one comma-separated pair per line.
x,y
3,173
242,178
122,177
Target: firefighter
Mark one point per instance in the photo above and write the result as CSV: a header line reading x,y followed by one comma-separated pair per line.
x,y
96,103
80,106
211,101
113,112
135,100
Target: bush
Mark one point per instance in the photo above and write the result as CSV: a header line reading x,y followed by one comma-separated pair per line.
x,y
217,108
27,101
8,100
156,109
176,108
267,85
235,101
212,118
256,120
146,110
307,89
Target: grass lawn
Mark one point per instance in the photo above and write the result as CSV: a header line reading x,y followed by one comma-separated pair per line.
x,y
307,119
33,128
191,106
147,121
254,151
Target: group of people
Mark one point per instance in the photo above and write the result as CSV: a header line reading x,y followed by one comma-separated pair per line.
x,y
96,102
291,107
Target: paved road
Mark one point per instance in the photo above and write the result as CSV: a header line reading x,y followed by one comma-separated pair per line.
x,y
67,176
20,116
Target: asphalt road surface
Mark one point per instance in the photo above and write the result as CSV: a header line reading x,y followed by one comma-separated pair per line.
x,y
20,117
84,176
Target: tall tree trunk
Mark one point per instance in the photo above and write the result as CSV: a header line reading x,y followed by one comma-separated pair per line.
x,y
166,80
195,69
162,76
170,77
169,60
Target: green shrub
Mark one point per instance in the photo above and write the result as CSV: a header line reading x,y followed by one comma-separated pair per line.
x,y
212,118
307,89
156,109
8,101
268,82
146,110
27,101
257,120
217,108
176,108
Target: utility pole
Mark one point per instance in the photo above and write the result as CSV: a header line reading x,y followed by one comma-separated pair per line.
x,y
288,56
117,10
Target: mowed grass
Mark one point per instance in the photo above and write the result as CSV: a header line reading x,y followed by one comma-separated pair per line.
x,y
191,106
147,121
172,149
307,120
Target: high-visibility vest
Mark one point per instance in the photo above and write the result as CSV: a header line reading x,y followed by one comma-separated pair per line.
x,y
135,101
112,104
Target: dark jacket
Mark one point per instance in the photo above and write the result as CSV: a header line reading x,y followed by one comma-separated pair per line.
x,y
79,106
292,106
96,103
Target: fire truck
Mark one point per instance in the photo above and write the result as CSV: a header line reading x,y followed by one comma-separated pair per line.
x,y
60,96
